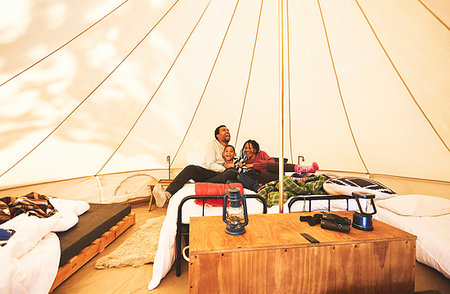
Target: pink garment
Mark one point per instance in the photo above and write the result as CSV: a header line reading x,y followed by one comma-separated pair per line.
x,y
259,161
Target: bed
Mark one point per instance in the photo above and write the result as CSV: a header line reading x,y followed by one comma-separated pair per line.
x,y
31,259
429,224
425,216
428,218
96,229
178,215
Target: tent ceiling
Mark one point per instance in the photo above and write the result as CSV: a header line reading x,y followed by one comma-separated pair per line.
x,y
369,84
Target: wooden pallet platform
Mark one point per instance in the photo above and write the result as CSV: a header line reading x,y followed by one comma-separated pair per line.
x,y
76,262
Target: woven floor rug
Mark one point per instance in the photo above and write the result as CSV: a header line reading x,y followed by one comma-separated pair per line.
x,y
137,250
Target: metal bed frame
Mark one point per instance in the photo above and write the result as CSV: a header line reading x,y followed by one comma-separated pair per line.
x,y
309,198
183,229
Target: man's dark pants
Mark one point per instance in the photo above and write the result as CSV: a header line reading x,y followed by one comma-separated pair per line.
x,y
200,174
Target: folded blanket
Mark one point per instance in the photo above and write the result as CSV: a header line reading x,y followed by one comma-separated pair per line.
x,y
31,204
309,186
5,213
214,189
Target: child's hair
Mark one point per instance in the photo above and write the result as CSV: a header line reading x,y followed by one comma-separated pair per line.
x,y
254,145
234,150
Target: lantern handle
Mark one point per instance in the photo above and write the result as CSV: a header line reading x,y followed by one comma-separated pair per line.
x,y
367,196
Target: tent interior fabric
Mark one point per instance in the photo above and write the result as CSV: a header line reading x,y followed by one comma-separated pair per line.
x,y
95,95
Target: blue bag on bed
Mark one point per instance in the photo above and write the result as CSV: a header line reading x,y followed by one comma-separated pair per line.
x,y
5,235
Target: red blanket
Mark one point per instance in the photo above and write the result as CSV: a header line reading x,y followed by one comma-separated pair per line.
x,y
214,189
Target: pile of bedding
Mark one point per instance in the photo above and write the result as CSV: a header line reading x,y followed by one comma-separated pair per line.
x,y
428,218
308,186
30,258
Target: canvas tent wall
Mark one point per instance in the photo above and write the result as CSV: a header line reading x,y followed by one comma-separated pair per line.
x,y
102,92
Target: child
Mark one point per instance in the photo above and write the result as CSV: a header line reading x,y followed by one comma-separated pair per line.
x,y
248,178
229,155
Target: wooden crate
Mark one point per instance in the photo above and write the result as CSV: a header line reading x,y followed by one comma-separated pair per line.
x,y
272,257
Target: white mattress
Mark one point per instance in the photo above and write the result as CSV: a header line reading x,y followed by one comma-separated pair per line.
x,y
433,237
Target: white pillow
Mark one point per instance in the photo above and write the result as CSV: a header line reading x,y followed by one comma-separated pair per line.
x,y
416,205
348,185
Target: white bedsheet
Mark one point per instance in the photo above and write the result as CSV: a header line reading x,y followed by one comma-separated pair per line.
x,y
29,261
165,255
433,237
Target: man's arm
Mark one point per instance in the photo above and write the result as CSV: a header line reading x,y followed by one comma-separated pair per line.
x,y
213,157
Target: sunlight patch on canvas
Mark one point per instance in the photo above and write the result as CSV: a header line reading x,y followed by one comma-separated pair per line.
x,y
15,22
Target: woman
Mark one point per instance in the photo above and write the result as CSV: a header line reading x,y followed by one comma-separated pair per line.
x,y
262,168
255,161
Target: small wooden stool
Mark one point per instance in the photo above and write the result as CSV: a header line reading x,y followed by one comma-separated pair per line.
x,y
163,182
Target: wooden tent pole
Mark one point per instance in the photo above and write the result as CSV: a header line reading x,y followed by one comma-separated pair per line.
x,y
281,97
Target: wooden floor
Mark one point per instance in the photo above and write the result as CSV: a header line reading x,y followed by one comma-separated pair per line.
x,y
135,280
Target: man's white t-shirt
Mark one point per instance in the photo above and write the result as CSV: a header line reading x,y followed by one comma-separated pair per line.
x,y
213,157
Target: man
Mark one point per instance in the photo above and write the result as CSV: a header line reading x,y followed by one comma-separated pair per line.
x,y
214,169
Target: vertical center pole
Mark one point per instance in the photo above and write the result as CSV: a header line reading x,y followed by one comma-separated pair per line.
x,y
281,96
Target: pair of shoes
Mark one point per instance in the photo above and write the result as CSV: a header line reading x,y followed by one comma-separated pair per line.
x,y
306,169
315,166
160,195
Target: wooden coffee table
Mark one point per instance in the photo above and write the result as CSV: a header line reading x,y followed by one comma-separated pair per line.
x,y
272,257
163,182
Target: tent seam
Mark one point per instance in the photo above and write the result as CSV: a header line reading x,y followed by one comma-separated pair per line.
x,y
435,15
89,95
249,71
339,89
401,78
62,46
207,82
157,89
